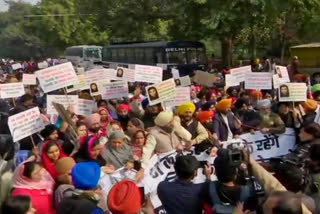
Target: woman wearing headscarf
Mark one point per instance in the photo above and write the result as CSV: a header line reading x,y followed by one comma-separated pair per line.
x,y
138,141
105,119
51,153
32,180
134,125
118,153
90,151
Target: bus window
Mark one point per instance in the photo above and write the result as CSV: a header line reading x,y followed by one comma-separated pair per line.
x,y
92,53
139,55
201,55
177,57
130,55
149,58
106,55
158,56
121,55
192,56
114,55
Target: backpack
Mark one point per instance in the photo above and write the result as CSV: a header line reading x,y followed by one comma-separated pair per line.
x,y
225,208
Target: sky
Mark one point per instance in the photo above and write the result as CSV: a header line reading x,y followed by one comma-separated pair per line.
x,y
4,6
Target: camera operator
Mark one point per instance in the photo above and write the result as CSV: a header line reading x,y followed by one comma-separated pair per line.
x,y
226,192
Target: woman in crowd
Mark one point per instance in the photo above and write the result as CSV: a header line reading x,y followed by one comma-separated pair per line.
x,y
51,153
118,153
19,205
82,130
137,143
134,125
90,151
30,179
105,119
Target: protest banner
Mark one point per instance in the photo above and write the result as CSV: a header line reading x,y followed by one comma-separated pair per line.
x,y
204,78
11,90
160,92
149,74
266,146
56,77
25,124
98,74
29,79
70,101
82,84
85,107
125,74
258,80
16,66
113,90
182,96
239,74
231,81
292,92
183,81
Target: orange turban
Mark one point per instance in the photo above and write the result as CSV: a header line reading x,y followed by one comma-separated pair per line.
x,y
186,107
205,115
256,95
310,105
224,104
300,77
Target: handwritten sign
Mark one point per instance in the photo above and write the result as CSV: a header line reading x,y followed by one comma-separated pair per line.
x,y
11,90
183,81
240,73
150,74
85,107
182,96
231,81
29,79
57,77
25,124
292,92
125,74
160,92
70,101
112,90
16,66
258,80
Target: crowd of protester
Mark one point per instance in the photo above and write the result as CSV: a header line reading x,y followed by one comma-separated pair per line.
x,y
62,173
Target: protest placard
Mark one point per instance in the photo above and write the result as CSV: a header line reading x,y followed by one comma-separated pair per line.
x,y
258,80
70,101
57,77
204,78
85,107
283,74
16,66
125,74
183,81
231,81
293,92
175,73
239,74
160,92
25,124
112,90
82,84
150,74
11,90
29,79
80,70
182,96
42,65
98,74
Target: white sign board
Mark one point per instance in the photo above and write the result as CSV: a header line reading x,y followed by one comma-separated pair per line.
x,y
11,90
82,84
231,81
160,92
57,77
204,78
125,74
258,80
240,73
43,65
16,66
29,79
85,107
113,90
25,124
182,96
282,73
175,73
183,81
293,92
70,101
150,74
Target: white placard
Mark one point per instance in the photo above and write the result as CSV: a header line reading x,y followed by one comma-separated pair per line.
x,y
29,79
283,74
231,81
43,65
150,74
183,81
175,73
99,74
85,107
160,92
182,96
125,74
292,92
112,90
11,90
70,101
57,77
16,66
82,84
258,81
204,78
239,74
25,124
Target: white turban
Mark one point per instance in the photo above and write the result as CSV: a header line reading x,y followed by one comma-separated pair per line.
x,y
163,118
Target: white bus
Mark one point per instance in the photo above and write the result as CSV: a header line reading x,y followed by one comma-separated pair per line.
x,y
83,55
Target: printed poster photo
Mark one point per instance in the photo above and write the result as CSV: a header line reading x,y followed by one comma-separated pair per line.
x,y
153,93
178,82
278,71
284,91
120,72
93,88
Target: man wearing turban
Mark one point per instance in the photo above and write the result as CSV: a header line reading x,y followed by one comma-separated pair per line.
x,y
196,129
225,124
